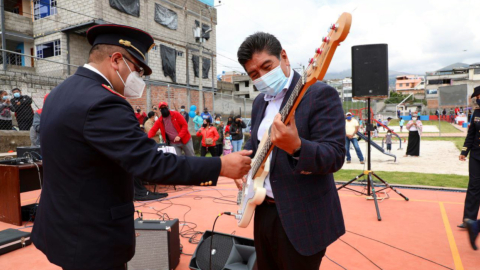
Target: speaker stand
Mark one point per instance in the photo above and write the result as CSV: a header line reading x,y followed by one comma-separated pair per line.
x,y
369,173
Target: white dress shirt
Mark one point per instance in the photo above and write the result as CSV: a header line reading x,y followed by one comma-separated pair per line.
x,y
98,72
273,107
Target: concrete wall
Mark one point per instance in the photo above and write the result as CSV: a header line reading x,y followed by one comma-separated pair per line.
x,y
18,23
9,140
79,48
49,68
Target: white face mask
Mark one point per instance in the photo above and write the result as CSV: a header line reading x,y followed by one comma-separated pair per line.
x,y
134,86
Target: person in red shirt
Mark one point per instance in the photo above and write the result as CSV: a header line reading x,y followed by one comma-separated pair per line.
x,y
174,130
210,136
229,123
141,115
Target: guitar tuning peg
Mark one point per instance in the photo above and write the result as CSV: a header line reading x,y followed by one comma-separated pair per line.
x,y
319,51
334,26
310,61
326,39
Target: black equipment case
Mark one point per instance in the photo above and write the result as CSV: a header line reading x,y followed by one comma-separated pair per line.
x,y
11,239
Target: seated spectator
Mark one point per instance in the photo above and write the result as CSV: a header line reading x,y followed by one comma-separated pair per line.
x,y
209,136
35,129
6,109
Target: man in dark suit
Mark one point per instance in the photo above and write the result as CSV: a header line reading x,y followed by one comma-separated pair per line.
x,y
301,214
92,147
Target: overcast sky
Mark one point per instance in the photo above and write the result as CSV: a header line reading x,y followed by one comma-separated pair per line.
x,y
422,35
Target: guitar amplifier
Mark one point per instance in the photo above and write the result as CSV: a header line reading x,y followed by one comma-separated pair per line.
x,y
157,245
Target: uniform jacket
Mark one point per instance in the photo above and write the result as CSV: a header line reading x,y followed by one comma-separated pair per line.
x,y
211,132
178,122
472,141
305,193
92,146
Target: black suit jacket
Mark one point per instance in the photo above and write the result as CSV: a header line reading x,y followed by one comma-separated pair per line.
x,y
92,145
305,194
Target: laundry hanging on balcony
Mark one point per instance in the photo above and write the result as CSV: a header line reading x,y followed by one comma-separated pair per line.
x,y
166,17
205,27
169,62
205,65
131,7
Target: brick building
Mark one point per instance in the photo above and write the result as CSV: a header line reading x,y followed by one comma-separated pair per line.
x,y
55,30
452,75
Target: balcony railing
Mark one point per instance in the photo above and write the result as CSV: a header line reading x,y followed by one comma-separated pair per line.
x,y
12,59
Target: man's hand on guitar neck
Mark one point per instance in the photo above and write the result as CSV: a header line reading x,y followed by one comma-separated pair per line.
x,y
236,165
284,136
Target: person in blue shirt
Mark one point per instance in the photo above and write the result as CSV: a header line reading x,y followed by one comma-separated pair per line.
x,y
402,122
198,120
206,115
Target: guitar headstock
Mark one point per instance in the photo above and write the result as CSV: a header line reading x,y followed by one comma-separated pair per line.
x,y
318,65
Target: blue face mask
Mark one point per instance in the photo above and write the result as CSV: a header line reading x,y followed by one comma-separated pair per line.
x,y
271,83
5,97
17,95
229,138
349,118
182,110
217,122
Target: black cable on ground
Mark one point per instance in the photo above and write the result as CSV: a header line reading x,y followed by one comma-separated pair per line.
x,y
334,262
361,254
401,250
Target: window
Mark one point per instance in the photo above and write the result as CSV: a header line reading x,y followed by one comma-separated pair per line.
x,y
444,81
155,47
179,53
44,8
401,85
16,10
476,71
247,84
407,84
49,49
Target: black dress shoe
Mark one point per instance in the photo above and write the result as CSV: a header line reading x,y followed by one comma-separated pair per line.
x,y
461,226
472,232
151,196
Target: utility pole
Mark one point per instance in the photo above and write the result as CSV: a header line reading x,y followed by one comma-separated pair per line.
x,y
200,68
4,45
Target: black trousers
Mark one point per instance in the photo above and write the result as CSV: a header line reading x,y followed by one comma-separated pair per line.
x,y
211,149
472,200
274,249
219,149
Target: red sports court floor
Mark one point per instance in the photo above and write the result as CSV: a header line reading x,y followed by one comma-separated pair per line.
x,y
424,226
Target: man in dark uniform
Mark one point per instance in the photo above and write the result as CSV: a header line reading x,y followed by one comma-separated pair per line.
x,y
92,148
472,145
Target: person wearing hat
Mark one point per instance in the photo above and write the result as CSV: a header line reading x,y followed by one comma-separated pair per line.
x,y
174,130
351,129
472,146
184,113
206,115
414,128
92,147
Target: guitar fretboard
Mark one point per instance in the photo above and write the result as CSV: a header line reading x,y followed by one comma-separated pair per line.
x,y
267,147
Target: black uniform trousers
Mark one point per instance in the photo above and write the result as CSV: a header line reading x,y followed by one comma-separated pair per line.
x,y
472,200
274,249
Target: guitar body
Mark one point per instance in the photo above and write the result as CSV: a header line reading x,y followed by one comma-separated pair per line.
x,y
253,192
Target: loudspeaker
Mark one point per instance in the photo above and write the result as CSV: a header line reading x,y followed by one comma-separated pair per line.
x,y
157,245
370,71
229,252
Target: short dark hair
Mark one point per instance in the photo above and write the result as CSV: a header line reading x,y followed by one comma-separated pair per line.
x,y
2,91
16,89
258,42
208,120
101,51
150,114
